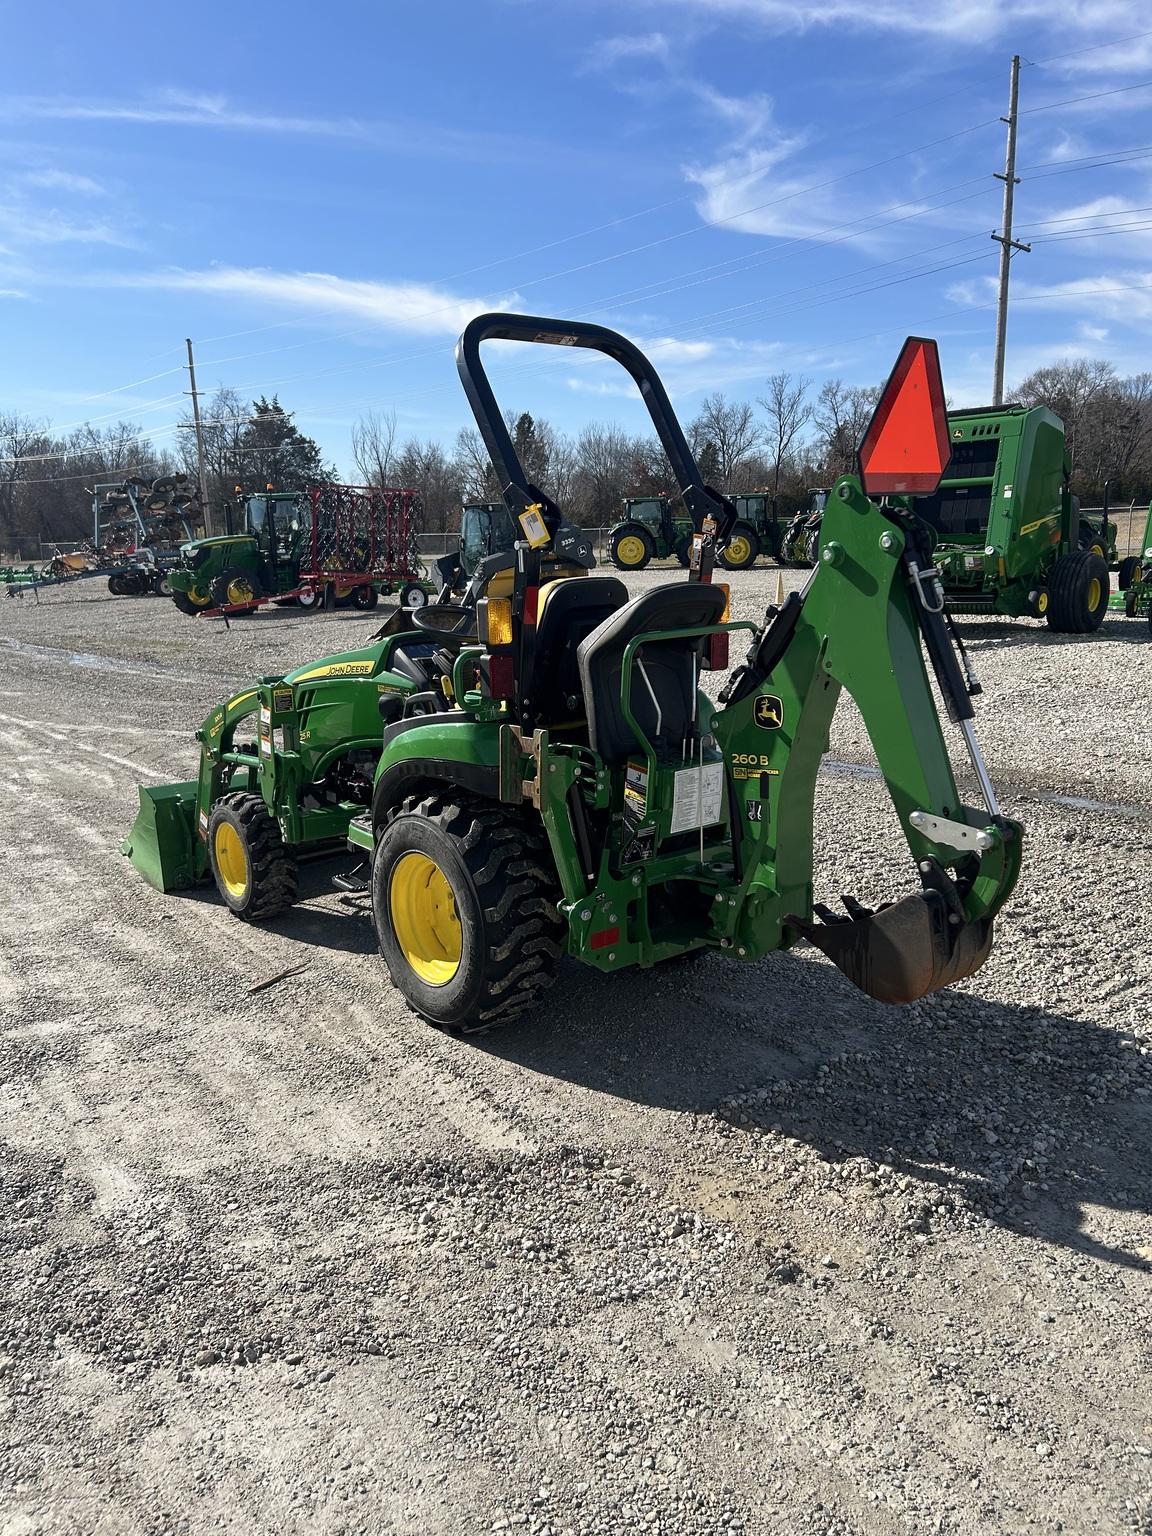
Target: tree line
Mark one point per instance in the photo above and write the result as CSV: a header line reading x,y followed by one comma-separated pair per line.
x,y
792,438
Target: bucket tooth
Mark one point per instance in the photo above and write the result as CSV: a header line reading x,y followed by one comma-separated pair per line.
x,y
903,951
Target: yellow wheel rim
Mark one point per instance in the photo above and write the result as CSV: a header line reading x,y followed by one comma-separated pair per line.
x,y
738,551
1094,594
1042,604
239,591
630,550
424,920
198,596
1098,549
231,860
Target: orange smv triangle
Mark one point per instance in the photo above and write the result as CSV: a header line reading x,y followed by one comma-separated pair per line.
x,y
905,448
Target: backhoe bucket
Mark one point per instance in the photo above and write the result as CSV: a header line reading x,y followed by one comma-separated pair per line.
x,y
162,842
904,951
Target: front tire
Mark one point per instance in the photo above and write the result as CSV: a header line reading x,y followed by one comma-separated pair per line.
x,y
1078,592
254,872
464,901
742,548
1128,573
632,547
235,586
193,601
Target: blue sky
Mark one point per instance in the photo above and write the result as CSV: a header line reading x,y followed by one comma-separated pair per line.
x,y
321,196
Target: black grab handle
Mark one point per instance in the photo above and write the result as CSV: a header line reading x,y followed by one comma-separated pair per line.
x,y
699,498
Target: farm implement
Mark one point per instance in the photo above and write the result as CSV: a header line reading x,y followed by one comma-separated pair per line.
x,y
329,544
535,770
1008,535
1135,578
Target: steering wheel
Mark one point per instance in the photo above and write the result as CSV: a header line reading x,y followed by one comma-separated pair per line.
x,y
454,627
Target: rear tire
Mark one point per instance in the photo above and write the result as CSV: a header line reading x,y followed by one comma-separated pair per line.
x,y
1077,593
464,900
742,548
1128,573
254,872
631,547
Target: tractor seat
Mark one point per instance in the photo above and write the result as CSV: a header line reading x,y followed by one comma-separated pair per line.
x,y
570,609
663,694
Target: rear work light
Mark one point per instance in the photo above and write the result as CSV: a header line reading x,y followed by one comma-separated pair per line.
x,y
494,622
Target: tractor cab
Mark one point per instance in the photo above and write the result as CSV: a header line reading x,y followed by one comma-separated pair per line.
x,y
486,528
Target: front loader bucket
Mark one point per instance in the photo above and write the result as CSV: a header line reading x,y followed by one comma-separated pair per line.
x,y
162,842
904,951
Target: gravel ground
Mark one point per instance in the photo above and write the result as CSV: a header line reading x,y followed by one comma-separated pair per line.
x,y
717,1250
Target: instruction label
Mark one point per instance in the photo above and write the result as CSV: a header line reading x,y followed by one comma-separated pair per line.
x,y
697,798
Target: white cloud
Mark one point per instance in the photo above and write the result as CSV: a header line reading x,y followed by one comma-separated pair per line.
x,y
63,181
607,52
411,307
958,19
181,109
1123,296
23,226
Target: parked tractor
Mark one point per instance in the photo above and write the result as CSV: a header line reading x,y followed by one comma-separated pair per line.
x,y
535,769
347,543
649,531
1008,535
759,530
1135,578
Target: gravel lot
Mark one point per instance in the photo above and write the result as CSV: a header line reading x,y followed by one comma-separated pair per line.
x,y
717,1250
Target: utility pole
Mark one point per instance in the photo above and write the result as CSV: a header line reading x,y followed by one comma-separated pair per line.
x,y
205,510
1004,239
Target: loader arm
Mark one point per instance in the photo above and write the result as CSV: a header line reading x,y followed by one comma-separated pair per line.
x,y
856,628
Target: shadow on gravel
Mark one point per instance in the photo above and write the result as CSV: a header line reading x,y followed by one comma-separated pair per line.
x,y
1023,1115
979,634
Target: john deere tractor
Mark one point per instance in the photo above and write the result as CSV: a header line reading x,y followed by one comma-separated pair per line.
x,y
535,770
648,531
263,558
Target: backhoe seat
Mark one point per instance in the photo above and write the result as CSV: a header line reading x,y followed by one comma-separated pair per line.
x,y
571,608
672,668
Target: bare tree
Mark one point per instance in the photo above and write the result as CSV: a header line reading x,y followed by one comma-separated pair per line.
x,y
475,473
374,447
730,427
789,411
841,413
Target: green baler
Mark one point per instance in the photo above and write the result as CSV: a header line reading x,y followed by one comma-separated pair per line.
x,y
1008,534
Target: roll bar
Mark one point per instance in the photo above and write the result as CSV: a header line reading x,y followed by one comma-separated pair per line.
x,y
700,499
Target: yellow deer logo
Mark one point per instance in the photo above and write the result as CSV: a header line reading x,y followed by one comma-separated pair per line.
x,y
769,712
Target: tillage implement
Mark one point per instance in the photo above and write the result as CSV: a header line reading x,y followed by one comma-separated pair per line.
x,y
535,770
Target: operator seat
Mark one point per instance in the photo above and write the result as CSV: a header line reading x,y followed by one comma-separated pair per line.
x,y
570,609
662,696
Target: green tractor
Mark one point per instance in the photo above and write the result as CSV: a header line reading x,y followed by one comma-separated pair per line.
x,y
760,531
264,558
1009,537
1135,578
535,770
648,531
300,546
